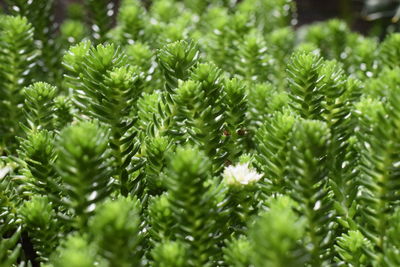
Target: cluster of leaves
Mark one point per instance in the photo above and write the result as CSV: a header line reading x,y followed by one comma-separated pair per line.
x,y
196,133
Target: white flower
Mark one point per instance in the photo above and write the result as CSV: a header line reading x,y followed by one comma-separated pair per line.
x,y
240,174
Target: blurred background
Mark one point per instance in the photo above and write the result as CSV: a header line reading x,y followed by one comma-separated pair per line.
x,y
376,17
366,16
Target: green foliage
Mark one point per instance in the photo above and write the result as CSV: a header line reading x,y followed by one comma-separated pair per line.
x,y
191,207
108,91
379,167
165,11
263,100
272,151
39,106
305,92
159,33
92,70
143,57
238,253
202,120
8,198
333,32
389,51
100,18
116,230
10,232
72,32
269,15
195,133
75,11
39,153
391,257
63,111
334,40
308,178
176,60
362,60
17,61
40,13
161,219
346,185
352,248
275,238
281,42
253,59
131,21
84,166
40,221
336,114
225,38
170,254
156,150
236,122
9,250
72,62
148,113
76,251
380,87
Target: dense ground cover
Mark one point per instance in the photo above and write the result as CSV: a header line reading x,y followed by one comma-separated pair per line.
x,y
196,133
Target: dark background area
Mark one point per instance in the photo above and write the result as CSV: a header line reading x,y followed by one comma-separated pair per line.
x,y
319,10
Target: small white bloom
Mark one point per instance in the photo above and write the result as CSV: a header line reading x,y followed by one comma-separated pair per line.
x,y
240,174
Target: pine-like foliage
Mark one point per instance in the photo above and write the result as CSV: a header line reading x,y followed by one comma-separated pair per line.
x,y
109,91
333,32
72,62
100,17
202,121
353,248
84,166
76,251
143,57
308,178
189,195
40,14
39,107
116,229
131,21
259,109
273,151
275,245
42,225
389,51
39,154
238,253
170,254
225,38
161,219
17,61
195,133
72,32
176,60
236,122
10,231
254,60
9,250
269,14
305,91
379,167
156,150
